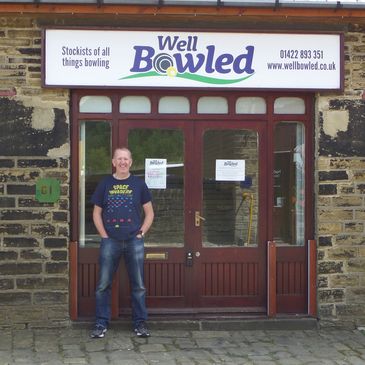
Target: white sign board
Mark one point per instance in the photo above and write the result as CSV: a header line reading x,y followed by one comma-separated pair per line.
x,y
110,58
155,176
230,170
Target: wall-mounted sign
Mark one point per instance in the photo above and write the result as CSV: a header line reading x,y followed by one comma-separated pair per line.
x,y
109,58
47,190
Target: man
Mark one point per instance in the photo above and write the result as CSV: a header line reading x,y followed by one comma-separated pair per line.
x,y
118,201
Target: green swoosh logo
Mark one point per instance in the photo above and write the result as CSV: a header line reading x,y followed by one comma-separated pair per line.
x,y
189,76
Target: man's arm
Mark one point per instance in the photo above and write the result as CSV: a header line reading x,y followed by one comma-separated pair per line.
x,y
98,221
148,217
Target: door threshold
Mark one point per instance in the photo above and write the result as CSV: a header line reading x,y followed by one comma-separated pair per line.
x,y
217,323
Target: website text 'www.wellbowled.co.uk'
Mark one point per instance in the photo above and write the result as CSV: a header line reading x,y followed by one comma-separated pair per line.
x,y
302,66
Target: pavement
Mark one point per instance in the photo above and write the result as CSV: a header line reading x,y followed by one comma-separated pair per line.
x,y
185,345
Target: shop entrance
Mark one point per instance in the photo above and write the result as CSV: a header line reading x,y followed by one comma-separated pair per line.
x,y
215,202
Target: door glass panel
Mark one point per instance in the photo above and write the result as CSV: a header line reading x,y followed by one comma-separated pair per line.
x,y
168,203
289,187
230,208
94,163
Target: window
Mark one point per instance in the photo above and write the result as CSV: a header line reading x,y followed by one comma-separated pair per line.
x,y
95,104
174,105
250,105
289,183
135,104
289,105
212,105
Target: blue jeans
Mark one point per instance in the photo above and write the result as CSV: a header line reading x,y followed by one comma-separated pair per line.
x,y
110,254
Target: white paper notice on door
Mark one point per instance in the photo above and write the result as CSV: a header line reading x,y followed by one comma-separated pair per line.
x,y
229,170
155,176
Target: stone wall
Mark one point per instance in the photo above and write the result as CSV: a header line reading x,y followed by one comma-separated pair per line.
x,y
341,192
34,144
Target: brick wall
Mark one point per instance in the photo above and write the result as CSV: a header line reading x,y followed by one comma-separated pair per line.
x,y
34,144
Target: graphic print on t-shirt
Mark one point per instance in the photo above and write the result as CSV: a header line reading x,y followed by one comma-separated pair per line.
x,y
120,206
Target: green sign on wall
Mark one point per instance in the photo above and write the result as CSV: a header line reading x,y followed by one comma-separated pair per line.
x,y
47,190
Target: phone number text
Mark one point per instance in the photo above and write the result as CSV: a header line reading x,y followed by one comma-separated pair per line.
x,y
294,54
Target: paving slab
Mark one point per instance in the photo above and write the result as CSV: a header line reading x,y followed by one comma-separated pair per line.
x,y
184,346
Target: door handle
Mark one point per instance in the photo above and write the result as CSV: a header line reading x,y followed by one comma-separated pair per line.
x,y
198,218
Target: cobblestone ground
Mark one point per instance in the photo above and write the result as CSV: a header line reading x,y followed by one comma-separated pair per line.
x,y
168,347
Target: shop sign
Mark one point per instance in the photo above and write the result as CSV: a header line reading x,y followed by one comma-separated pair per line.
x,y
109,58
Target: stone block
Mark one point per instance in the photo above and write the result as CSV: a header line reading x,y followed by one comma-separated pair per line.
x,y
8,255
326,310
7,202
50,297
34,313
15,298
330,267
64,230
331,295
347,201
20,268
55,242
356,265
350,310
342,253
356,296
23,215
59,255
6,284
325,241
332,175
327,189
354,227
322,282
32,203
350,240
60,217
329,228
39,163
324,201
333,215
21,189
59,312
20,242
57,268
13,229
6,162
50,283
30,255
42,230
345,189
344,280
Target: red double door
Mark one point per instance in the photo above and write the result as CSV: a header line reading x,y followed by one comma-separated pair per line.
x,y
206,251
222,189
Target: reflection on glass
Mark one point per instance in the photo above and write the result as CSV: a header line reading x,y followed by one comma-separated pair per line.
x,y
230,207
168,226
95,163
289,188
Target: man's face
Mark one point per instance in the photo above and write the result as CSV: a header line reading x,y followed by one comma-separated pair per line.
x,y
122,161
